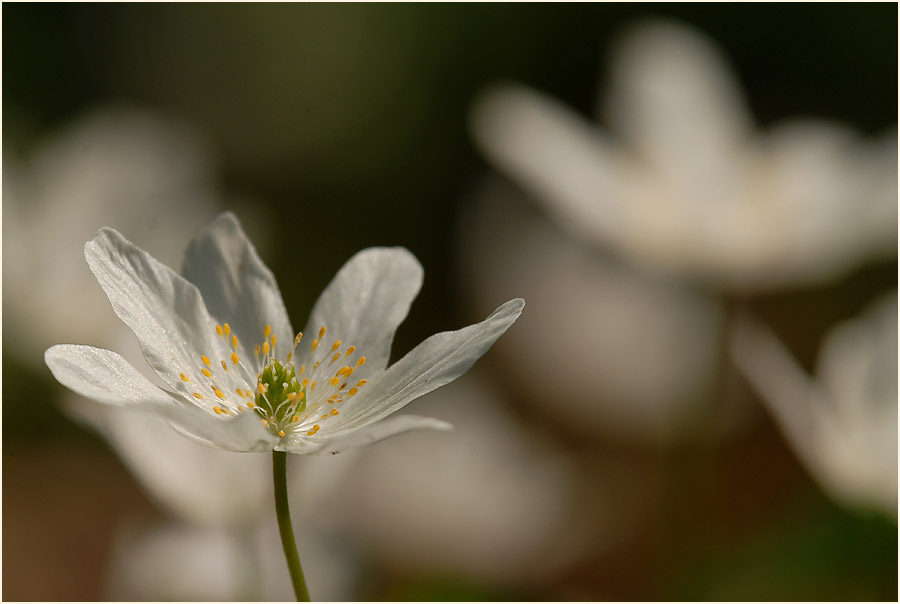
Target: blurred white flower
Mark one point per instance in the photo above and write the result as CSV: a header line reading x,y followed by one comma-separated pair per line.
x,y
685,185
603,348
120,167
247,400
494,502
843,423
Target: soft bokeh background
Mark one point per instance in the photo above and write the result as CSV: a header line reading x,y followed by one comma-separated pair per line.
x,y
634,435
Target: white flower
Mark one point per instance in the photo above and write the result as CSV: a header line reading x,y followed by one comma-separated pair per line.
x,y
238,378
133,170
687,187
843,425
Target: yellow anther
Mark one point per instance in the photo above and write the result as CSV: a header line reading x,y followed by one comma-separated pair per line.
x,y
218,392
265,348
227,329
261,387
249,393
281,433
256,350
219,329
336,356
184,378
240,392
234,342
334,412
314,428
218,410
274,341
295,419
250,405
322,332
334,381
235,358
197,395
361,361
313,385
265,423
205,359
350,351
316,365
267,331
344,385
302,370
352,391
361,383
345,370
336,345
298,337
290,356
315,345
224,366
305,382
206,372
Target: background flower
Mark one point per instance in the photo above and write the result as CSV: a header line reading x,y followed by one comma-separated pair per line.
x,y
843,423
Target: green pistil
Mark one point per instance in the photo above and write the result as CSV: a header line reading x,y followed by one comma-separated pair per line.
x,y
280,382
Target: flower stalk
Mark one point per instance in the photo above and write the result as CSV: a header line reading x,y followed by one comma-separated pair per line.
x,y
283,513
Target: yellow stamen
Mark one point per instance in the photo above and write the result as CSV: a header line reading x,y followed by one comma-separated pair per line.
x,y
334,381
234,342
265,348
206,372
257,351
250,405
313,386
334,412
305,382
274,341
281,433
249,393
267,331
240,392
218,410
336,345
261,387
298,337
314,428
350,351
361,383
265,423
205,359
185,378
336,356
295,419
315,345
225,365
219,329
235,358
290,356
353,391
322,332
197,395
361,361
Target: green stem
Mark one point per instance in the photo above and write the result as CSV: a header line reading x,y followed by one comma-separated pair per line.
x,y
283,512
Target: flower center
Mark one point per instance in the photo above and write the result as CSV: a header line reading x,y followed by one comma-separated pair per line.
x,y
285,398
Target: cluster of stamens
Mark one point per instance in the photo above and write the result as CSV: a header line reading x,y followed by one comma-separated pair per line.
x,y
285,398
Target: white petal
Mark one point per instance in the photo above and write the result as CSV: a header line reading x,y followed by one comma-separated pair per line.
x,y
435,362
244,433
366,301
579,175
105,376
675,101
362,437
784,388
164,310
237,287
102,375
